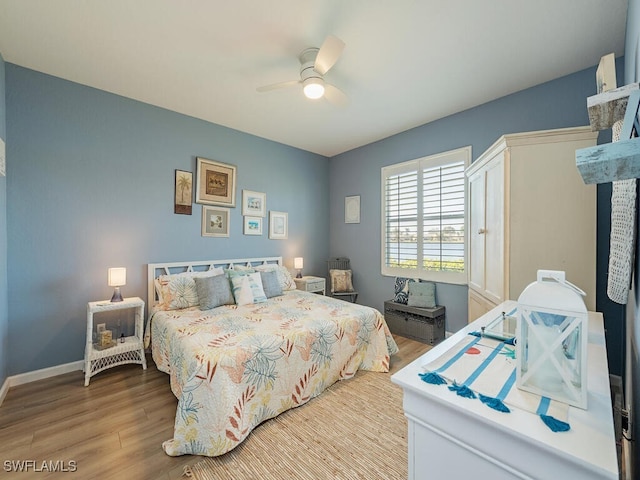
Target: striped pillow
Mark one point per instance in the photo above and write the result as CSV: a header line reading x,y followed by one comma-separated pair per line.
x,y
248,289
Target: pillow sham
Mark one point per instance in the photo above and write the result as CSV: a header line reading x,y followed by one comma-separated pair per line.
x,y
237,271
341,280
402,290
248,289
178,290
213,291
422,294
270,284
243,269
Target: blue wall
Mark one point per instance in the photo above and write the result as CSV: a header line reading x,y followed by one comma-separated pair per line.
x,y
556,104
91,185
4,312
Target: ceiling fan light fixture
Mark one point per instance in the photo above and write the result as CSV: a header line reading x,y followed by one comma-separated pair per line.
x,y
313,88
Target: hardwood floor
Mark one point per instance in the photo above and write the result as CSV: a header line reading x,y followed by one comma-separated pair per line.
x,y
114,428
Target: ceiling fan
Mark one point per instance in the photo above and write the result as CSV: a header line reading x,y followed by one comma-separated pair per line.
x,y
314,64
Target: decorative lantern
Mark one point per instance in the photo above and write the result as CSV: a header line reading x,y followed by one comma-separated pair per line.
x,y
551,347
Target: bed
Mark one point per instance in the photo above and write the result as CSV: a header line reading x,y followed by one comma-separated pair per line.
x,y
233,366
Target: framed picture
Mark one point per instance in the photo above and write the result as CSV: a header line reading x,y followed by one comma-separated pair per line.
x,y
254,203
606,74
352,209
215,221
183,192
253,225
278,228
215,183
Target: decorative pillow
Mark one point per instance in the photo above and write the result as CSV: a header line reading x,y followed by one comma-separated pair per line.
x,y
237,271
178,290
213,291
402,290
284,276
242,269
270,284
341,280
422,294
248,289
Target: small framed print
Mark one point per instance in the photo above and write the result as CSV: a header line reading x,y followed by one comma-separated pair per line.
x,y
278,225
606,74
183,193
215,183
215,221
254,203
253,225
352,209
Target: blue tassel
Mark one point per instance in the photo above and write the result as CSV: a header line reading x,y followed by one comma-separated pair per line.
x,y
462,390
554,424
475,334
494,403
433,378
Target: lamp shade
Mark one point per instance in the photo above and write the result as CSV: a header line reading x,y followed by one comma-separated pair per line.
x,y
117,277
298,263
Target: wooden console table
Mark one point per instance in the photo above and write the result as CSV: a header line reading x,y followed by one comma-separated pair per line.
x,y
458,438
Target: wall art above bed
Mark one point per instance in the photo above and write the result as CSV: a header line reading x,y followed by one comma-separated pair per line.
x,y
254,203
183,192
215,183
278,225
215,221
252,225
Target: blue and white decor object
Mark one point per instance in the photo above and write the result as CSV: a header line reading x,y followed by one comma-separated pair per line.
x,y
551,347
483,368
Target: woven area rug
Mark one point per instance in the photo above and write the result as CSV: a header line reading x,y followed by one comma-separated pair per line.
x,y
355,430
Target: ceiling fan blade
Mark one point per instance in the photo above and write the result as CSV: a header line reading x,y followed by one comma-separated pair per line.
x,y
335,96
275,86
328,54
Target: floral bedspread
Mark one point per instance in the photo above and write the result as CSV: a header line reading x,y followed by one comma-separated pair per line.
x,y
232,368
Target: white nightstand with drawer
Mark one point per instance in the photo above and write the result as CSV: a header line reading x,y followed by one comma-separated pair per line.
x,y
310,283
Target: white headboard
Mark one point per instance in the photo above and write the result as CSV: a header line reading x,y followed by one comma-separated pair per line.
x,y
157,269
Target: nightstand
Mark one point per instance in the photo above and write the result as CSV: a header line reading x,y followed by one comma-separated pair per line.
x,y
309,283
130,351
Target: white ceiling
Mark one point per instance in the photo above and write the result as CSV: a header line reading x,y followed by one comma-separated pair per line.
x,y
406,62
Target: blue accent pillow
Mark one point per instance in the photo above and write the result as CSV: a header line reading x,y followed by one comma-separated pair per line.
x,y
422,294
402,290
213,291
271,284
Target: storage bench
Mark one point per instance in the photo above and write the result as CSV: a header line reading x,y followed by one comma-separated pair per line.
x,y
423,324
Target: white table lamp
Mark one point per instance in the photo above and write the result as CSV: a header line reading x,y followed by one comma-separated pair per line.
x,y
298,264
117,278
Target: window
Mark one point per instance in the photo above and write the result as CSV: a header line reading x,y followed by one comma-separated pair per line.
x,y
424,217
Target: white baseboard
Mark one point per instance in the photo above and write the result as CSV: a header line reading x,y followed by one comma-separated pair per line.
x,y
36,375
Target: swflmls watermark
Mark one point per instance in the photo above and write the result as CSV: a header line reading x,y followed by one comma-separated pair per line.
x,y
48,466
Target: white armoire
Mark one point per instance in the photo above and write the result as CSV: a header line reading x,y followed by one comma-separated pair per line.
x,y
528,210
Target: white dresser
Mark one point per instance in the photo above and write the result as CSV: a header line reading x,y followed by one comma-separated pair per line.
x,y
458,438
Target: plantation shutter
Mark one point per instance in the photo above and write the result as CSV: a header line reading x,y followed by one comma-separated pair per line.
x,y
401,220
443,217
423,217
